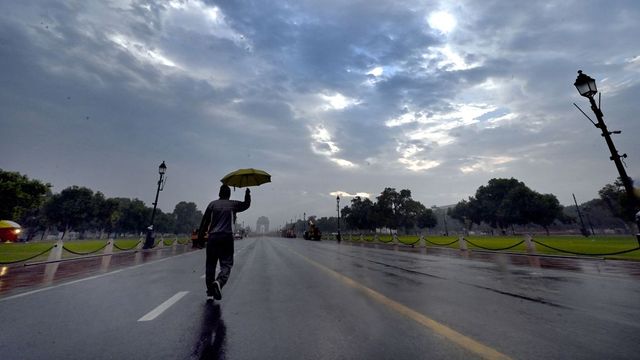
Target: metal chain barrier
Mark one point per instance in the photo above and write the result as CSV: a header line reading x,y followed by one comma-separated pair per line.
x,y
447,244
586,254
498,249
64,247
27,259
183,243
125,249
386,242
413,243
170,242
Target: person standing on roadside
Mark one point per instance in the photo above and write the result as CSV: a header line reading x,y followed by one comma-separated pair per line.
x,y
216,228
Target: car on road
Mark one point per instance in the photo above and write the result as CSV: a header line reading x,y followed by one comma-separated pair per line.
x,y
9,230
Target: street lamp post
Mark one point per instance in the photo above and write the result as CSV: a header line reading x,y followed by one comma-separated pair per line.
x,y
148,243
587,87
339,237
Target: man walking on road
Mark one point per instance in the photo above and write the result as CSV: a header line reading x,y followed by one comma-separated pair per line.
x,y
216,225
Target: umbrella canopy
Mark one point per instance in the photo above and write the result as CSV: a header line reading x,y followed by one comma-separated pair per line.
x,y
9,224
246,177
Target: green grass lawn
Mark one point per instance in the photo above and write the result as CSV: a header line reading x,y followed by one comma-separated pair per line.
x,y
10,252
580,244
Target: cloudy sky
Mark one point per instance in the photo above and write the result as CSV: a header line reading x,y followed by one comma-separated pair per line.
x,y
328,96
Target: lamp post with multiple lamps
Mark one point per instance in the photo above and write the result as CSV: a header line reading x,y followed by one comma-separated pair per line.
x,y
587,87
339,236
149,241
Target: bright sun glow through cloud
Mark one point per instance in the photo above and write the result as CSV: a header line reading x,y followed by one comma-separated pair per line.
x,y
337,102
442,21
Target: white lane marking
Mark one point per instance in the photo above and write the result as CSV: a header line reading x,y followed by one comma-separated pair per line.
x,y
164,306
89,278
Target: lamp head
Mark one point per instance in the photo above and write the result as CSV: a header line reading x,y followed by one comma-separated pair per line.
x,y
162,168
585,84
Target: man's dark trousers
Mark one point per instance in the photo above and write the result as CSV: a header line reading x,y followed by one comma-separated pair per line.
x,y
219,248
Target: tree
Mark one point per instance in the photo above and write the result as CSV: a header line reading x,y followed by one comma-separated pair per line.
x,y
426,219
545,210
358,215
409,212
104,211
467,213
398,210
187,217
490,198
327,224
618,201
20,197
507,202
165,223
132,215
386,205
71,209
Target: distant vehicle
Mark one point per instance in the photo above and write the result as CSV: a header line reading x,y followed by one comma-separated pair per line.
x,y
237,235
9,230
313,233
289,233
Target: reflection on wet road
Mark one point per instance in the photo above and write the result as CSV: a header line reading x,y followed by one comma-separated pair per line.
x,y
21,276
211,342
295,299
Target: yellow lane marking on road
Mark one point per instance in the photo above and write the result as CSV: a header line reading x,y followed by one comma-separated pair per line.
x,y
466,342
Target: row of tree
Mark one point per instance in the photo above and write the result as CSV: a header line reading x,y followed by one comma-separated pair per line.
x,y
35,207
392,210
503,203
499,205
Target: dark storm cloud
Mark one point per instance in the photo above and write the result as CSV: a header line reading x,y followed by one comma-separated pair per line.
x,y
103,91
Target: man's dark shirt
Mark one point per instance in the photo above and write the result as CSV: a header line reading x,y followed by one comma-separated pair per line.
x,y
219,216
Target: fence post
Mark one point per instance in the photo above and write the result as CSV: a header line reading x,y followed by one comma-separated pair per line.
x,y
350,239
51,268
108,250
395,239
361,238
463,243
56,252
422,242
531,246
376,238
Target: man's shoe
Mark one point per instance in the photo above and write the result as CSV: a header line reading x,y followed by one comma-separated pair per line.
x,y
216,292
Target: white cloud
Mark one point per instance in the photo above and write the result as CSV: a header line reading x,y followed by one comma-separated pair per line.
x,y
442,21
411,155
447,59
343,163
376,71
337,101
435,128
346,194
141,51
324,145
488,164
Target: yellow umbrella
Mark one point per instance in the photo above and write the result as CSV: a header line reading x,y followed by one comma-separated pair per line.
x,y
246,177
9,224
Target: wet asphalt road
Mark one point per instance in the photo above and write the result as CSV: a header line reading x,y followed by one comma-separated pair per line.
x,y
294,299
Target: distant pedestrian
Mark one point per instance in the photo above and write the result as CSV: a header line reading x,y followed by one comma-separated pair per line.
x,y
196,241
216,227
